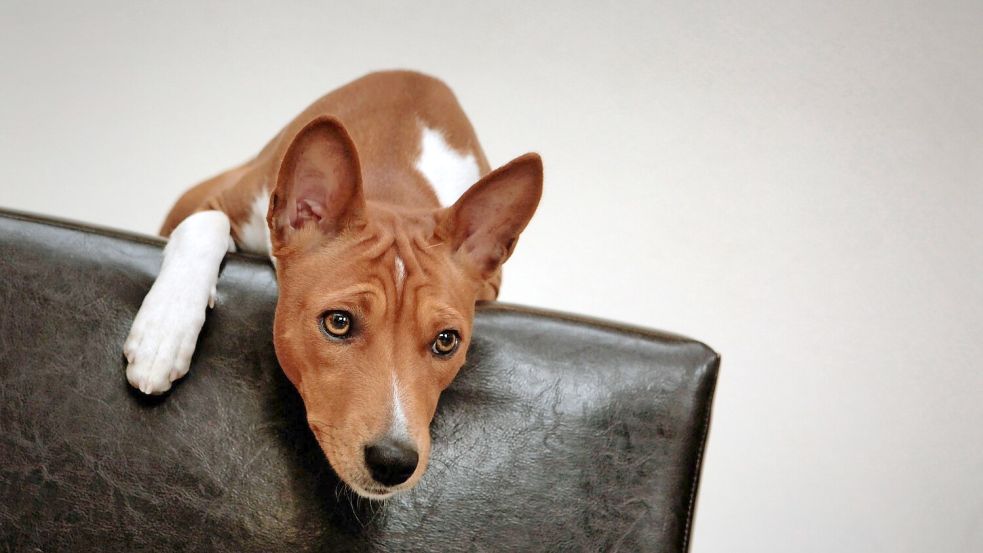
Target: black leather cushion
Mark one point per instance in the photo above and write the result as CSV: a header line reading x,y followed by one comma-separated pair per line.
x,y
559,434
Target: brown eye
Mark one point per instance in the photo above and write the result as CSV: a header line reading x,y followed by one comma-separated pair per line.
x,y
337,324
446,342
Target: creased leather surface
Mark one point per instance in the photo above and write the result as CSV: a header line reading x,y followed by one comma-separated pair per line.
x,y
560,434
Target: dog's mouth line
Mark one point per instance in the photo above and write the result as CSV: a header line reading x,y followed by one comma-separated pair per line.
x,y
373,493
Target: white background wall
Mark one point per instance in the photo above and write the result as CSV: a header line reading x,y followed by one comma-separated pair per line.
x,y
800,185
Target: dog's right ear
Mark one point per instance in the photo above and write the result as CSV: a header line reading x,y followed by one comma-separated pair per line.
x,y
319,184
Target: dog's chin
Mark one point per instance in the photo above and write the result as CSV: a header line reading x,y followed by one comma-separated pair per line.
x,y
373,494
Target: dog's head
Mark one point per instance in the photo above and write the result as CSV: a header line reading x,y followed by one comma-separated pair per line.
x,y
376,305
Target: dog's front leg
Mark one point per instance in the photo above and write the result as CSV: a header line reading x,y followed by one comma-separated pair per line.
x,y
165,330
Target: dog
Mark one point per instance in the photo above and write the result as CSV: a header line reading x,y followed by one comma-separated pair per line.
x,y
385,226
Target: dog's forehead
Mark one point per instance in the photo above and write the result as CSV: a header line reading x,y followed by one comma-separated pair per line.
x,y
403,244
397,263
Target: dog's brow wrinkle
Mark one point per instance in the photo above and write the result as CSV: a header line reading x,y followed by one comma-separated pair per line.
x,y
375,252
405,250
354,291
412,288
375,246
378,282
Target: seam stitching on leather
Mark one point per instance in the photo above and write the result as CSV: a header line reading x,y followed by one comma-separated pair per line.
x,y
699,461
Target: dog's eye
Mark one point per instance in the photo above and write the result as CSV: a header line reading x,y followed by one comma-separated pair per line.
x,y
337,324
446,342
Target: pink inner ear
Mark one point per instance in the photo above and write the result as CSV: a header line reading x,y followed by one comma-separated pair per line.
x,y
306,209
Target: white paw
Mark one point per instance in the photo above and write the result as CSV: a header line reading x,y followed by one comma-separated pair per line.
x,y
162,338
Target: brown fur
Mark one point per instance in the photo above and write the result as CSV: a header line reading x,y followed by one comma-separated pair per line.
x,y
382,112
346,201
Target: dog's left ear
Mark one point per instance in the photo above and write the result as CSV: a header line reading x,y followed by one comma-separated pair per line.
x,y
484,224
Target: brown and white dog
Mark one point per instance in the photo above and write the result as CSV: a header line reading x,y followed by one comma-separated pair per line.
x,y
377,278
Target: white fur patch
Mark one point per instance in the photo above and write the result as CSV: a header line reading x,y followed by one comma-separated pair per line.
x,y
162,338
400,427
254,234
400,274
449,172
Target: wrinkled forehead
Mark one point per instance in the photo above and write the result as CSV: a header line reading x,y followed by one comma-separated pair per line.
x,y
391,265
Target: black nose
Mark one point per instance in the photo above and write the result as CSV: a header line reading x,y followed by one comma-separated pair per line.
x,y
391,462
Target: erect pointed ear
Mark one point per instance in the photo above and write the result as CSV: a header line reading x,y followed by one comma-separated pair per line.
x,y
319,183
484,224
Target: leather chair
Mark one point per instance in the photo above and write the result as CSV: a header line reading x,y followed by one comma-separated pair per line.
x,y
560,434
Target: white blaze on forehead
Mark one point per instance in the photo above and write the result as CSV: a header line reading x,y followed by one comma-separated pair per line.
x,y
254,233
450,173
400,273
399,428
